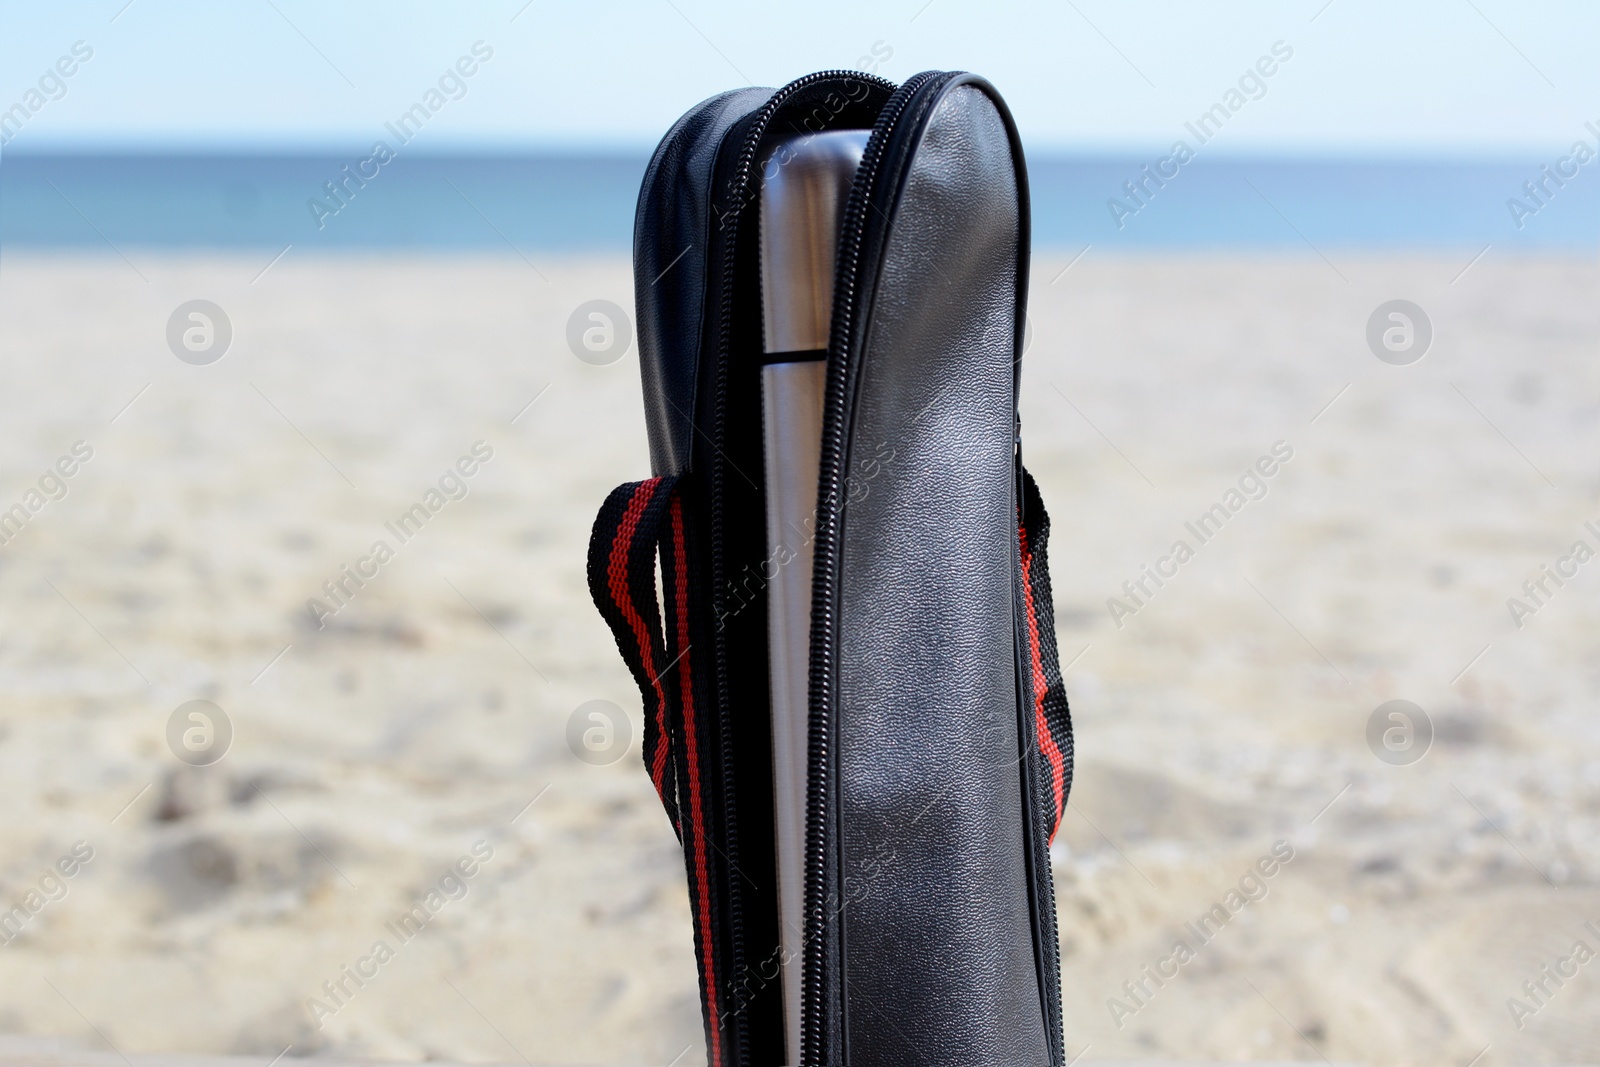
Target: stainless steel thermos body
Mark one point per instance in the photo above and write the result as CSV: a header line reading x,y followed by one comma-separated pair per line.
x,y
805,182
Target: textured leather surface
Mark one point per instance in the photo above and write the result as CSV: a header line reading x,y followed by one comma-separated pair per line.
x,y
938,944
672,234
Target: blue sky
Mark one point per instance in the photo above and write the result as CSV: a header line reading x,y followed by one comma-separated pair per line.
x,y
1367,77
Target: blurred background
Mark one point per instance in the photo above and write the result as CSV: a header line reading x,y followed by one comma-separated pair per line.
x,y
272,273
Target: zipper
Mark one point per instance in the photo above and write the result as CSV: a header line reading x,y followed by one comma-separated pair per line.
x,y
741,196
842,371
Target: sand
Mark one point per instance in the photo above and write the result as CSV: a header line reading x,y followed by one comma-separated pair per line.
x,y
1225,715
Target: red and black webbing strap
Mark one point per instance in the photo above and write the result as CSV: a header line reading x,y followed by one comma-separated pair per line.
x,y
692,740
622,580
638,522
1052,719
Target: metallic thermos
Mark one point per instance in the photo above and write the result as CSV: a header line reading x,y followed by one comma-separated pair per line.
x,y
805,183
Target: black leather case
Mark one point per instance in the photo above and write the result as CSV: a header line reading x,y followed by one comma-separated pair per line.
x,y
941,747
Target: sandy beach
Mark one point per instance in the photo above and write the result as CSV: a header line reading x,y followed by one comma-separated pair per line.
x,y
1221,715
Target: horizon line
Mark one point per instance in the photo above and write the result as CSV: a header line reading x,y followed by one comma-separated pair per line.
x,y
631,152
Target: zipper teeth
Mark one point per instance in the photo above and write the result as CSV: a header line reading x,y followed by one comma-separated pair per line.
x,y
1053,995
824,560
740,187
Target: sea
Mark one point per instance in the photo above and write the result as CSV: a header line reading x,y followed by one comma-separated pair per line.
x,y
570,204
